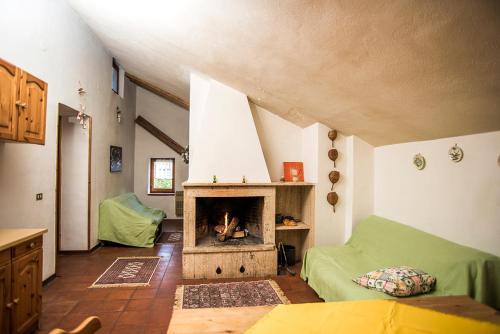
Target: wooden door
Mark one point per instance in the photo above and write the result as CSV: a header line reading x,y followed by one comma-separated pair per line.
x,y
26,291
33,107
5,300
9,77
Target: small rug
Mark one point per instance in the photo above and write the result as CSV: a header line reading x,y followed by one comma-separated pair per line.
x,y
233,294
128,272
170,238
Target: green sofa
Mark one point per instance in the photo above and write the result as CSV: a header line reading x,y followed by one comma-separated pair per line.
x,y
377,243
125,220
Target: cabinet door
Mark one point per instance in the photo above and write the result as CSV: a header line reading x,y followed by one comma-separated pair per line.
x,y
33,97
5,300
26,291
9,77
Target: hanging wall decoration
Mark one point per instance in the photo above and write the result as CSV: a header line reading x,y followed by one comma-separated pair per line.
x,y
82,117
332,134
332,198
333,154
334,175
115,159
419,161
456,154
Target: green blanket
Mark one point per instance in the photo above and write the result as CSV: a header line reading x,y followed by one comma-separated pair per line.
x,y
125,220
377,243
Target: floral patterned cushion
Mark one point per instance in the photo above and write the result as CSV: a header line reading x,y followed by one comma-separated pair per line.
x,y
398,281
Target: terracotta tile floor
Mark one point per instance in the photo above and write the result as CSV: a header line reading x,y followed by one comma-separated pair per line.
x,y
67,300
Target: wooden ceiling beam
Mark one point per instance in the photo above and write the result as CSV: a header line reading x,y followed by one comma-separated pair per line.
x,y
158,91
160,135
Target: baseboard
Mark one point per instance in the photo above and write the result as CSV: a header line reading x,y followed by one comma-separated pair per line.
x,y
77,252
172,220
49,279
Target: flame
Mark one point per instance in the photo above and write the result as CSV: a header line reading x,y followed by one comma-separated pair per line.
x,y
225,222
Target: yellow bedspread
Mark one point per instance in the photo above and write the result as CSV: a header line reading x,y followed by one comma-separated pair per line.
x,y
369,316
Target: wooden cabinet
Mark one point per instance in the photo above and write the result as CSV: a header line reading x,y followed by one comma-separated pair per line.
x,y
5,298
26,291
21,286
23,105
9,80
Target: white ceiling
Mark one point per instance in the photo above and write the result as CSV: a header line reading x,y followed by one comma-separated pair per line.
x,y
387,71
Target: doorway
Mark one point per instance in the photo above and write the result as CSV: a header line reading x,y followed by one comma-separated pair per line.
x,y
73,188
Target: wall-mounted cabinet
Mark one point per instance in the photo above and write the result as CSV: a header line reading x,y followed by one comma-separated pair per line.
x,y
23,105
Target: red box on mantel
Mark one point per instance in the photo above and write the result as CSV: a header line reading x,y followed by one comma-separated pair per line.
x,y
293,171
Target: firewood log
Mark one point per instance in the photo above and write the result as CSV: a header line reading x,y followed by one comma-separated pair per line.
x,y
219,228
230,229
238,234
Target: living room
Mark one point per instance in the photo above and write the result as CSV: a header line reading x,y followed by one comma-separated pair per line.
x,y
283,152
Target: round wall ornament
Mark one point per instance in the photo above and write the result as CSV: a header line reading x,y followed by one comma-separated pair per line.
x,y
419,161
456,153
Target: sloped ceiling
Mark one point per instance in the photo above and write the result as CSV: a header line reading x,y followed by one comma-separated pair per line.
x,y
386,71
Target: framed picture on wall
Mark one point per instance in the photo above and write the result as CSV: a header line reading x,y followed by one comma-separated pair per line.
x,y
293,171
115,159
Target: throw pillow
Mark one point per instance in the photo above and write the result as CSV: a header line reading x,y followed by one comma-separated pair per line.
x,y
399,281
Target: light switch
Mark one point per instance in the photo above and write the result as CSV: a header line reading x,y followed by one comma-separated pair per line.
x,y
39,196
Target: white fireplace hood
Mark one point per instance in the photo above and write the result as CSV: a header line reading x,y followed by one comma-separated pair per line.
x,y
223,140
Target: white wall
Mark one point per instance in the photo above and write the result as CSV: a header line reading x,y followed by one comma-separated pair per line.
x,y
329,225
74,181
223,140
280,139
359,176
53,43
172,120
457,201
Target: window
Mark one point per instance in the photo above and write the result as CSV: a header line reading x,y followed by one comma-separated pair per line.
x,y
115,77
161,176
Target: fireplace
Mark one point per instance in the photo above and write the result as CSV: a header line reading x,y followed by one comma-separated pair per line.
x,y
228,231
234,221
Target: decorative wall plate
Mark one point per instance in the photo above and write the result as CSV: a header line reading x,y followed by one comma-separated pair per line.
x,y
419,161
456,154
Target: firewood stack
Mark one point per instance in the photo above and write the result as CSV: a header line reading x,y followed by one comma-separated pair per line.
x,y
232,230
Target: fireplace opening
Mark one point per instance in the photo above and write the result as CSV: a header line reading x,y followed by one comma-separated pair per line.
x,y
229,221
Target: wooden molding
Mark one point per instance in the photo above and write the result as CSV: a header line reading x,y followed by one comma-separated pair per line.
x,y
160,135
158,91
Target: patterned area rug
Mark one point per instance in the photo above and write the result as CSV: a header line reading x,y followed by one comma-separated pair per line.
x,y
128,272
234,294
170,238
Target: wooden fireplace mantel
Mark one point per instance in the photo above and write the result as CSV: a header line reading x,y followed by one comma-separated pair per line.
x,y
263,184
287,198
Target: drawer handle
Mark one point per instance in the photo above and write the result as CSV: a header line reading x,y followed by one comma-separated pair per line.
x,y
9,305
32,245
16,301
218,271
242,269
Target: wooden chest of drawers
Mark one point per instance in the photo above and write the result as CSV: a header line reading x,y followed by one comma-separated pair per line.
x,y
20,281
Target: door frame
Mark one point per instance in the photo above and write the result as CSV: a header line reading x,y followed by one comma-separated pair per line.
x,y
58,182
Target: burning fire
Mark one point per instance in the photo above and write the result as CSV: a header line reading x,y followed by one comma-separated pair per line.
x,y
225,222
